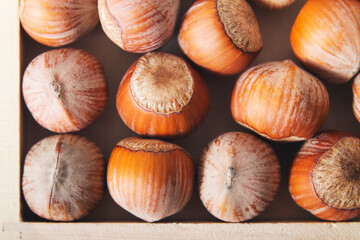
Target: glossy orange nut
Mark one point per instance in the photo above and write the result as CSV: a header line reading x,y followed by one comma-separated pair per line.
x,y
162,95
325,38
58,22
239,176
136,25
274,4
221,36
65,89
324,178
151,179
280,101
356,97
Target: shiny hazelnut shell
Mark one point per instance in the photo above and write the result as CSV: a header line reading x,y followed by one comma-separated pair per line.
x,y
356,97
280,101
57,23
325,38
221,36
324,177
161,95
150,178
138,26
274,4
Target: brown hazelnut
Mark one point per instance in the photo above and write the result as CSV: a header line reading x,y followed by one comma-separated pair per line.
x,y
325,176
65,89
58,22
280,101
63,177
239,176
136,25
161,95
222,36
150,178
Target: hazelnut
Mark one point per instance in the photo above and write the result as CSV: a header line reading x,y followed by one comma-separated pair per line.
x,y
64,177
150,178
222,36
325,176
65,89
280,101
239,176
356,97
138,26
58,22
325,38
161,95
274,4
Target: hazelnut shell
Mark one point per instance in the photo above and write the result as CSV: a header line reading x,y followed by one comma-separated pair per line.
x,y
150,178
325,38
161,95
222,36
65,89
239,176
138,26
324,177
57,23
274,4
280,101
356,97
64,177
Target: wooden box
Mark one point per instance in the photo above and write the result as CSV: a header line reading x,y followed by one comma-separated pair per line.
x,y
282,220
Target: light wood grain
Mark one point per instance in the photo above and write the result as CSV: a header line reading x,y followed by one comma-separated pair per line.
x,y
9,112
309,231
9,116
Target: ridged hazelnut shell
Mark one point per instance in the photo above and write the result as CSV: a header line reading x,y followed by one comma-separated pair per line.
x,y
325,38
150,178
222,36
58,22
274,4
161,95
356,97
324,177
65,89
138,26
64,177
280,101
239,176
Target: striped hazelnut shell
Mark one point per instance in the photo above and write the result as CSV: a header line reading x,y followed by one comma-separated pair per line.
x,y
222,36
58,22
274,4
161,95
64,177
138,26
324,177
150,178
239,176
325,38
65,89
280,101
356,97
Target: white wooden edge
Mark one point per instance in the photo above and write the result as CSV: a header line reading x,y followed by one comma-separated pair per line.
x,y
9,115
9,112
309,231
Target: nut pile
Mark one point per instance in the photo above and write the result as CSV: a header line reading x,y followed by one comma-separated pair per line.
x,y
163,97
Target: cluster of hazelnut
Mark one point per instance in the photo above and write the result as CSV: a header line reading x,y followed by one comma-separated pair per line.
x,y
162,96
